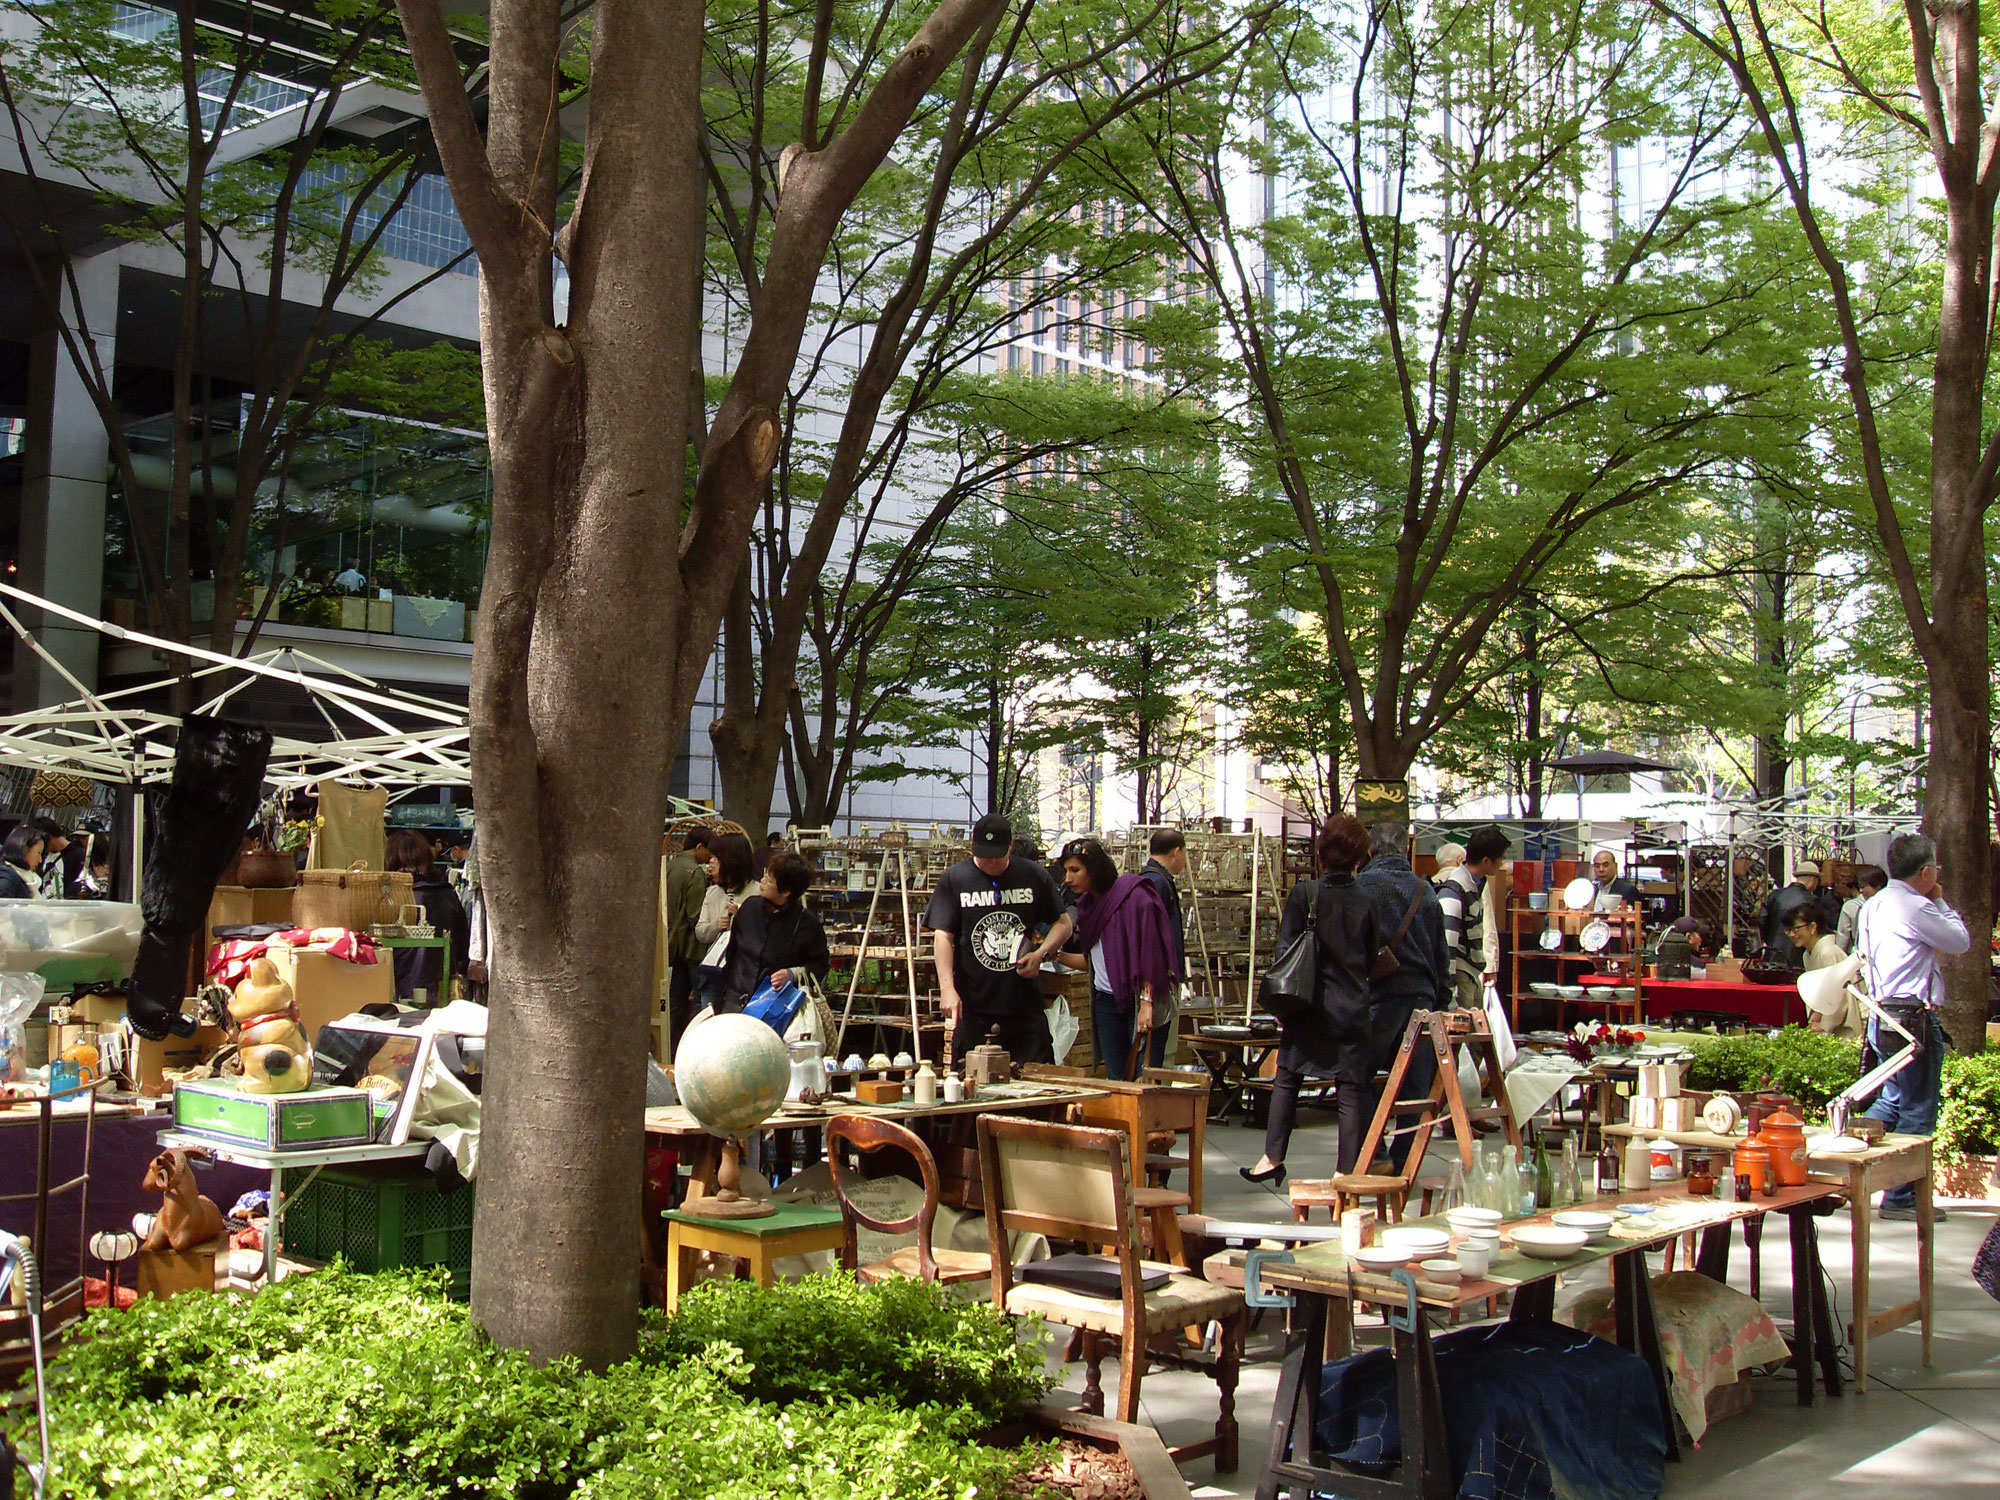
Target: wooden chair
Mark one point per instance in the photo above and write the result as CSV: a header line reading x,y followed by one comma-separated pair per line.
x,y
865,1134
1075,1183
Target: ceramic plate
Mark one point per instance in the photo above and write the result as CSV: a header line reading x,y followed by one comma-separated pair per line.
x,y
1595,937
1415,1243
1580,894
1552,939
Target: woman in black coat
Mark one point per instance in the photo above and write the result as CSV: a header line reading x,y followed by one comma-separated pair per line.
x,y
1325,1039
20,864
773,936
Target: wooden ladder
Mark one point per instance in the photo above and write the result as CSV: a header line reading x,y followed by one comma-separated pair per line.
x,y
1447,1032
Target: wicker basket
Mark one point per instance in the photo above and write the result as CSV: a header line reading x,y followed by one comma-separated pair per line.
x,y
358,898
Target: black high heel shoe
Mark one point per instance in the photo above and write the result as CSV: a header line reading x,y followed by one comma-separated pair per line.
x,y
1276,1176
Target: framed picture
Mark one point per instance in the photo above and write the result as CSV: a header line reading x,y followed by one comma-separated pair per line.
x,y
1382,802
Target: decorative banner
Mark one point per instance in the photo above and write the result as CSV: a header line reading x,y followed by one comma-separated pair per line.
x,y
1382,802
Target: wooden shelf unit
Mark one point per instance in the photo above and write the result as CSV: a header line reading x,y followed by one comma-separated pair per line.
x,y
1525,926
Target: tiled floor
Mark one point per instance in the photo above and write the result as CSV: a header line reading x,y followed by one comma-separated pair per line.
x,y
1916,1433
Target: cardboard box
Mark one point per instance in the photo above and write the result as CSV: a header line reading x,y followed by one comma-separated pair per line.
x,y
1645,1112
150,1058
1678,1113
244,906
168,1273
99,1011
328,988
217,1110
1726,970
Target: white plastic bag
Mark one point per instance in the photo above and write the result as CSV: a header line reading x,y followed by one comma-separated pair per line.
x,y
1063,1028
1469,1082
19,995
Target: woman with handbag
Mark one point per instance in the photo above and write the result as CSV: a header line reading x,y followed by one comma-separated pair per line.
x,y
732,875
1328,1033
1128,947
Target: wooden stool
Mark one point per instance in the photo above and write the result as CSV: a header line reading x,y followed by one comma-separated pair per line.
x,y
1161,1208
794,1229
1338,1194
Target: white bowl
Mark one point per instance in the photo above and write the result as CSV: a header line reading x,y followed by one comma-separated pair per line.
x,y
1465,1218
1546,991
1548,1241
1415,1243
1444,1271
1569,991
1595,1226
1380,1257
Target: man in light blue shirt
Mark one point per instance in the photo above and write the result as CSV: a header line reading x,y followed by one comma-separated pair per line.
x,y
1902,932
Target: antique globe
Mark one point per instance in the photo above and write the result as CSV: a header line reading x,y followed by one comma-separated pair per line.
x,y
731,1072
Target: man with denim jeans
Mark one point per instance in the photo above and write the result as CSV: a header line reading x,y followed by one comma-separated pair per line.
x,y
1901,932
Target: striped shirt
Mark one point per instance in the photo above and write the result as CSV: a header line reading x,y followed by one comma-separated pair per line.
x,y
1464,920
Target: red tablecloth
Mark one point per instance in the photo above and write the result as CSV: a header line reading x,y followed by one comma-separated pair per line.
x,y
1764,1004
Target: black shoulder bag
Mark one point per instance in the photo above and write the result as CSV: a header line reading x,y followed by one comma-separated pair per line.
x,y
1291,985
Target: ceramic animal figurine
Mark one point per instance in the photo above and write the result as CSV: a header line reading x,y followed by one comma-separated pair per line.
x,y
186,1219
277,1058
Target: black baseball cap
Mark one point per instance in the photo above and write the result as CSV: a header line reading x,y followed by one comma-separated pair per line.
x,y
992,836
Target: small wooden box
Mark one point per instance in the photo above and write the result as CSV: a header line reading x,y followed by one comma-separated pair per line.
x,y
879,1090
168,1273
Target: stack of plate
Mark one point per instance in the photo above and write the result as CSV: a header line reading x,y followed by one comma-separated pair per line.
x,y
1415,1243
1595,1226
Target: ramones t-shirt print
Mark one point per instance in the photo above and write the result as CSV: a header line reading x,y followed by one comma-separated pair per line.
x,y
989,916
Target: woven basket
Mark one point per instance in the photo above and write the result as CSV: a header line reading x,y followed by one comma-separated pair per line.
x,y
58,787
358,898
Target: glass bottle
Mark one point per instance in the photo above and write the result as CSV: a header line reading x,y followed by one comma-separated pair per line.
x,y
1545,1182
1569,1178
1607,1168
1454,1187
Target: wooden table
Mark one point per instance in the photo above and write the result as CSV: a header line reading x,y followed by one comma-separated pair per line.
x,y
793,1229
1897,1160
1323,1277
1235,1066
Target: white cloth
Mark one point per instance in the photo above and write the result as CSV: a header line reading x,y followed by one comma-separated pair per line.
x,y
1902,933
1100,970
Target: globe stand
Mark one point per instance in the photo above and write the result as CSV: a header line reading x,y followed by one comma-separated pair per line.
x,y
726,1202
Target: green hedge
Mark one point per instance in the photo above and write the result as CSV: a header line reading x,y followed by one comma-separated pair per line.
x,y
1813,1068
340,1386
1810,1067
1969,1109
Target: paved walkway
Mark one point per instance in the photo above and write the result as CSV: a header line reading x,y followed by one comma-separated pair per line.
x,y
1915,1433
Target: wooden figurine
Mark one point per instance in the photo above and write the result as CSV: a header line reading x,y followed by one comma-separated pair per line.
x,y
186,1219
277,1058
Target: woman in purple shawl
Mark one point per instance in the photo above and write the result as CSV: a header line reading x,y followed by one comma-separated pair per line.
x,y
1128,947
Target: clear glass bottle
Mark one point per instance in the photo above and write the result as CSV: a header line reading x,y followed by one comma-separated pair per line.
x,y
1569,1177
1454,1188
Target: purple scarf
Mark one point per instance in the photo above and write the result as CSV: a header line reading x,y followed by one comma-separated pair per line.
x,y
1130,922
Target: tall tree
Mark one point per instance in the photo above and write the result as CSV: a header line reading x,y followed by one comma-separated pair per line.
x,y
1455,376
1912,72
236,150
989,220
606,575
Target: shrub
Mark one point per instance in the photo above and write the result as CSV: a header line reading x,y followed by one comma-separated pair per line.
x,y
831,1337
1805,1064
1969,1107
339,1386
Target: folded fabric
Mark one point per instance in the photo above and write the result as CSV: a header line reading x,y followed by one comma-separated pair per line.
x,y
1535,1411
229,961
1087,1275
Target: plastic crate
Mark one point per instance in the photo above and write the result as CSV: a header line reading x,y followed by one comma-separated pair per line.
x,y
378,1216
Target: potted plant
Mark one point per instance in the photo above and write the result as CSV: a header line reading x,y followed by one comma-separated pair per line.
x,y
273,864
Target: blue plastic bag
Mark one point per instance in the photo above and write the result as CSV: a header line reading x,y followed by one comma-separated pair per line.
x,y
775,1008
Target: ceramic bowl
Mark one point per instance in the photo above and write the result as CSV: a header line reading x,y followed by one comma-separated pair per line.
x,y
1445,1271
1415,1243
1625,992
1548,1241
1380,1257
1546,991
1595,1226
1634,1210
1467,1218
1569,992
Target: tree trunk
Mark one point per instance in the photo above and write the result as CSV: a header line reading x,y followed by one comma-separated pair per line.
x,y
1962,694
749,734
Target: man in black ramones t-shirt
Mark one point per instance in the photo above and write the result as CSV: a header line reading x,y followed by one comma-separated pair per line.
x,y
984,917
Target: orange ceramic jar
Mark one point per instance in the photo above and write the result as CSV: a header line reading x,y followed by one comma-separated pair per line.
x,y
1754,1162
1784,1137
